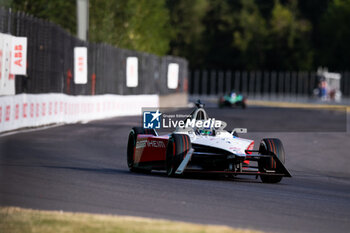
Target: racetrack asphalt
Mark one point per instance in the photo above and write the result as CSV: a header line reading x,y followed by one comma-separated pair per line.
x,y
82,168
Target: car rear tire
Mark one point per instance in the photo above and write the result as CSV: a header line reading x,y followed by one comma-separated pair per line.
x,y
267,146
177,148
131,146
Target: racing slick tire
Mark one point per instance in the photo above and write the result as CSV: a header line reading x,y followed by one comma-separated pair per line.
x,y
131,146
275,146
177,148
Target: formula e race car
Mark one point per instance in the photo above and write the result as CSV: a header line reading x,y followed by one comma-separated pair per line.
x,y
232,100
196,148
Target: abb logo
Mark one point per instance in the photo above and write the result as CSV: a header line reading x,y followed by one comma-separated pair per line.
x,y
17,112
31,110
18,55
43,110
56,104
37,112
81,64
7,113
25,110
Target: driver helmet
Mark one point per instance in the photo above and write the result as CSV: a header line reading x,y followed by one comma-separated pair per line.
x,y
233,94
206,132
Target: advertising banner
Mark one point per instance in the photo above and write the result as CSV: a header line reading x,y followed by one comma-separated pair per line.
x,y
31,110
19,55
80,65
7,79
131,72
173,75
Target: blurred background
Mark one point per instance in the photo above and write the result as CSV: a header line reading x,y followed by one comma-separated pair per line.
x,y
216,34
272,47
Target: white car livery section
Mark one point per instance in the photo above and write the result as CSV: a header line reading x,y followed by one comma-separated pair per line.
x,y
224,141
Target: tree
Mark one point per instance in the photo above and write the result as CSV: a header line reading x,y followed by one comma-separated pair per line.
x,y
217,48
60,12
187,28
335,36
250,35
289,39
141,25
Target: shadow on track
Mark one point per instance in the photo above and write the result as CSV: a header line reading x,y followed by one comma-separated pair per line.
x,y
98,170
201,176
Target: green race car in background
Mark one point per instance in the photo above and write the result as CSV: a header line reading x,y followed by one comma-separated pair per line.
x,y
232,100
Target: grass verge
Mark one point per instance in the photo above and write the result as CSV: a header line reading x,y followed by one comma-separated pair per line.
x,y
13,219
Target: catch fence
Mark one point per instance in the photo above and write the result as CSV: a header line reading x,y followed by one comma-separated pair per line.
x,y
259,84
50,59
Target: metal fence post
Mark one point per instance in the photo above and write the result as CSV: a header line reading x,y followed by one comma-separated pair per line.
x,y
299,87
9,21
213,82
228,76
196,82
312,83
346,84
273,85
244,83
294,84
204,82
280,85
258,85
251,83
266,78
220,82
237,87
306,82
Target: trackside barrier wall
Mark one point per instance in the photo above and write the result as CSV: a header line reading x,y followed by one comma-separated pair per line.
x,y
31,110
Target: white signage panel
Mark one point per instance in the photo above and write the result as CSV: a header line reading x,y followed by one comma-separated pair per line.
x,y
80,65
173,75
19,55
7,79
132,72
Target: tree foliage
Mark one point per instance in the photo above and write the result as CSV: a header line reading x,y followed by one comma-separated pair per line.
x,y
250,35
187,28
335,36
133,24
57,11
225,34
290,38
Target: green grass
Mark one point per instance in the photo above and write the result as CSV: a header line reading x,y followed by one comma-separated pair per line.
x,y
13,219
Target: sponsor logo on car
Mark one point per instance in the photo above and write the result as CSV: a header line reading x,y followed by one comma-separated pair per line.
x,y
149,143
